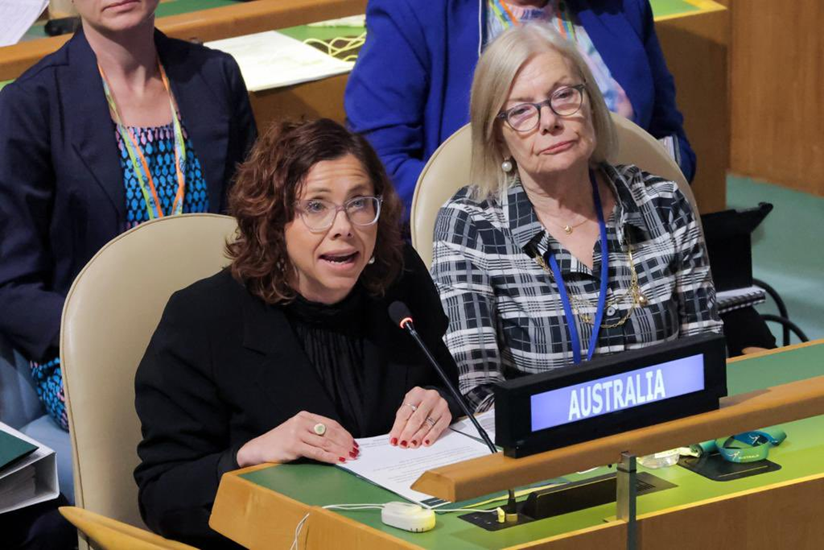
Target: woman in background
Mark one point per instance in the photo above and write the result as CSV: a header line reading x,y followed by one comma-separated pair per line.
x,y
555,256
119,126
430,49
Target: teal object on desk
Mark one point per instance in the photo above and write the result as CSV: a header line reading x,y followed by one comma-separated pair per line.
x,y
746,447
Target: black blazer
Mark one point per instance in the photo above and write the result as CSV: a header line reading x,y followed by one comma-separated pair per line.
x,y
223,368
62,195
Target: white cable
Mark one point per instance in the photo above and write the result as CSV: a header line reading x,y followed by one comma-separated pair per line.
x,y
298,529
372,506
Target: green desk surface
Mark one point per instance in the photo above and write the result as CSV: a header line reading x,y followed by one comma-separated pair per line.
x,y
662,8
799,456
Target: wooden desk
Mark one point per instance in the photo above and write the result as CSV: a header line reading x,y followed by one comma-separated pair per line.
x,y
696,46
260,507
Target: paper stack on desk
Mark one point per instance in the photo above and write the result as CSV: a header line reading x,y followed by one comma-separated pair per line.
x,y
273,60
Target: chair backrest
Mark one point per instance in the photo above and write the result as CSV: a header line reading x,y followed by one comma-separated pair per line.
x,y
448,170
110,314
111,534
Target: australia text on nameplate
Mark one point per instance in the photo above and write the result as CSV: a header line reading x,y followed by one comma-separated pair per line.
x,y
617,392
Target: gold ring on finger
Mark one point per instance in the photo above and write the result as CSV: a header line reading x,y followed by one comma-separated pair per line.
x,y
431,421
319,428
411,406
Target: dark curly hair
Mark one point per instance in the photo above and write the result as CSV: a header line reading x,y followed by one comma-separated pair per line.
x,y
263,200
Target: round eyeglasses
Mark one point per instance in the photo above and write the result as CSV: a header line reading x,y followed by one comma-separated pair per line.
x,y
564,101
319,214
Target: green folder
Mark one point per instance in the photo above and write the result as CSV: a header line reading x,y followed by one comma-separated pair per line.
x,y
13,449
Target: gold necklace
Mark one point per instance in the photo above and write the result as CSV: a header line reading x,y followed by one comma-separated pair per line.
x,y
578,303
568,229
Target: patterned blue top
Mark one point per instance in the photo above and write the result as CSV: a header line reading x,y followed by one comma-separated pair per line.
x,y
158,146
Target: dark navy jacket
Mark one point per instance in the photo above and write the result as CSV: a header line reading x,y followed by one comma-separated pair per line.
x,y
409,90
62,195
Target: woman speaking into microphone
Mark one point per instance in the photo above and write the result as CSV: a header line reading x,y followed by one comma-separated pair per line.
x,y
290,353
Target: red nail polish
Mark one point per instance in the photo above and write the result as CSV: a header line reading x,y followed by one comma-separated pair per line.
x,y
393,441
414,442
356,444
426,442
403,443
353,454
342,459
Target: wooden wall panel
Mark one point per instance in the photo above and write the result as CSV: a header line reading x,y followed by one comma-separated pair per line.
x,y
319,99
777,92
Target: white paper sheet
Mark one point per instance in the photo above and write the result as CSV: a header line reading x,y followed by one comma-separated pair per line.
x,y
14,481
273,60
18,16
396,469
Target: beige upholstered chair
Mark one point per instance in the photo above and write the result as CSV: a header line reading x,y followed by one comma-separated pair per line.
x,y
109,316
448,170
108,534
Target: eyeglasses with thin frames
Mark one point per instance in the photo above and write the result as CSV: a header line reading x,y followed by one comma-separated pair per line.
x,y
564,102
319,215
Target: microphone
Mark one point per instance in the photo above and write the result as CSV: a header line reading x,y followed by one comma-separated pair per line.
x,y
400,314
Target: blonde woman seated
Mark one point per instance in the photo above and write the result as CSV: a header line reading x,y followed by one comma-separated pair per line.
x,y
519,257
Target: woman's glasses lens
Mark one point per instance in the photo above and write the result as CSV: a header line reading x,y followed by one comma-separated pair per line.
x,y
319,214
564,102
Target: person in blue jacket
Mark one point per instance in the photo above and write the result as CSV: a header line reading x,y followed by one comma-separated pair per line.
x,y
409,90
119,126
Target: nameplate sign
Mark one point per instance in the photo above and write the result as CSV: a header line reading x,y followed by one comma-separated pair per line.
x,y
610,395
618,392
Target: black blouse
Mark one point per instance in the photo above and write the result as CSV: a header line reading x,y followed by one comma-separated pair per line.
x,y
333,339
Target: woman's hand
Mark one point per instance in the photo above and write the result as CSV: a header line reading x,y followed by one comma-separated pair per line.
x,y
299,437
421,419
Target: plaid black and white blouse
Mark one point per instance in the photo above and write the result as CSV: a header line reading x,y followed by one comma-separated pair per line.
x,y
506,318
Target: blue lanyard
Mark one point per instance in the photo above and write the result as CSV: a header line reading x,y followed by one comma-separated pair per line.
x,y
602,296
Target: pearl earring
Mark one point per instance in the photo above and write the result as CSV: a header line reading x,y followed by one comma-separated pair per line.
x,y
371,260
506,166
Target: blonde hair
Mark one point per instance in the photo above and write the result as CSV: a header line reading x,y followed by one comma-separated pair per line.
x,y
493,79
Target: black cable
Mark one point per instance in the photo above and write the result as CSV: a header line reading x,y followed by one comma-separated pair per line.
x,y
782,307
787,324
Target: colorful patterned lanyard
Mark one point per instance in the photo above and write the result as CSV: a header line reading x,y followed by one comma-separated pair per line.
x,y
501,11
153,205
563,19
